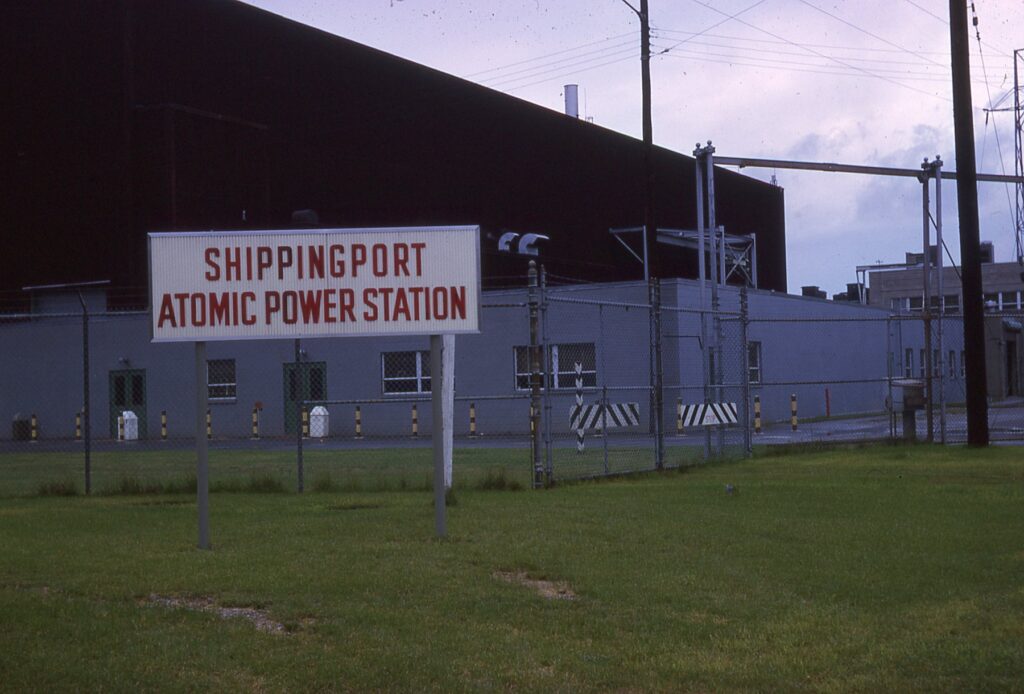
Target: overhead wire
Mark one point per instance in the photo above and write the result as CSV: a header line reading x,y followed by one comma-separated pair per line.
x,y
547,55
995,130
822,55
563,64
799,66
866,32
867,49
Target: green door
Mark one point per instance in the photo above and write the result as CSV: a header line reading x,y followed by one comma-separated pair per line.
x,y
302,382
128,392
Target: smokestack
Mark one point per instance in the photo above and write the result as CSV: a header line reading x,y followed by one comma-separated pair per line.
x,y
572,102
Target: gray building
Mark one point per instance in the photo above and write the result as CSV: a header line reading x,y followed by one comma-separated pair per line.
x,y
836,358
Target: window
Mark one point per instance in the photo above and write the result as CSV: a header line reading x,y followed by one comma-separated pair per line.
x,y
564,358
1008,301
220,379
915,304
754,362
405,372
992,302
951,303
908,363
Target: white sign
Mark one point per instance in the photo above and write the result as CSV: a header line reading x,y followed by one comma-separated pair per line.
x,y
314,283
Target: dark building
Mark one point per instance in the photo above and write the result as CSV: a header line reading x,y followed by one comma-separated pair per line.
x,y
127,117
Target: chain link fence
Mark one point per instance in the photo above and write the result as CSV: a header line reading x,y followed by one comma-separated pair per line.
x,y
627,378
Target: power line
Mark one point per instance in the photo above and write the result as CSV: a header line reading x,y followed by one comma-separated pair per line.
x,y
561,69
716,24
797,66
818,53
546,55
995,130
802,45
865,31
598,54
946,22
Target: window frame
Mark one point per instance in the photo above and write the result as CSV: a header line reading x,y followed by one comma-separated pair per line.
x,y
230,386
754,348
422,377
560,377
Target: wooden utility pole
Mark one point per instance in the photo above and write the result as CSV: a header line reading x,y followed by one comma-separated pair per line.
x,y
970,237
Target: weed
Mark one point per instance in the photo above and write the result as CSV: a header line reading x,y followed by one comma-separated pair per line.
x,y
65,488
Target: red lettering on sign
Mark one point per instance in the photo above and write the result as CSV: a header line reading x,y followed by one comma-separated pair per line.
x,y
358,258
264,260
248,315
166,312
418,248
370,314
211,255
310,303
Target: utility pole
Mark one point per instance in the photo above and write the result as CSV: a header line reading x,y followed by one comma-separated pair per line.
x,y
970,237
1018,131
650,228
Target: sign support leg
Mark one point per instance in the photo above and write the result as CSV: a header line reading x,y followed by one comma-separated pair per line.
x,y
202,464
437,400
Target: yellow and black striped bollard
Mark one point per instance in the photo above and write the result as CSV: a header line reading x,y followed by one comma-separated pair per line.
x,y
120,428
35,429
78,426
255,423
792,410
415,422
472,419
305,423
757,414
209,425
359,422
163,425
679,416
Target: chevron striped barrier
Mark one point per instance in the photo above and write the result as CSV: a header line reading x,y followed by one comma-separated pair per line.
x,y
619,414
709,414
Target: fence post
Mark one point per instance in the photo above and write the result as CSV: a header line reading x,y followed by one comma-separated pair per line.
x,y
748,446
86,407
654,289
604,425
300,405
535,461
546,352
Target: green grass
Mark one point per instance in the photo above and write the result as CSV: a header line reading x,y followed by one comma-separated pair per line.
x,y
875,569
173,471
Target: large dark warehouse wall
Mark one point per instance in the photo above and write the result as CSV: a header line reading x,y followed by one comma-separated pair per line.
x,y
197,114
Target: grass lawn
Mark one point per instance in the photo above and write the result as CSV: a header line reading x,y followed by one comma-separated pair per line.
x,y
879,569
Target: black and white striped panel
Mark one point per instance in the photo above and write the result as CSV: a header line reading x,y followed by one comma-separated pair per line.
x,y
619,414
710,414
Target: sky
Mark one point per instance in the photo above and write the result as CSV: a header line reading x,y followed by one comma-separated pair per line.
x,y
856,82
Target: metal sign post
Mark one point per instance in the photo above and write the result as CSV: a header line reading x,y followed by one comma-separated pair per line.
x,y
202,463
